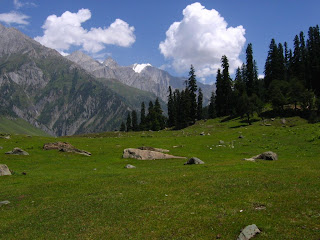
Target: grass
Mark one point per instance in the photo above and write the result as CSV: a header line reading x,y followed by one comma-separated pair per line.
x,y
69,196
19,126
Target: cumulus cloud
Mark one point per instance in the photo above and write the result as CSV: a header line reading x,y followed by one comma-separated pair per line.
x,y
14,17
201,38
65,31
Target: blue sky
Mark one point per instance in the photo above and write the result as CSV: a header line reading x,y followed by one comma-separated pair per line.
x,y
205,30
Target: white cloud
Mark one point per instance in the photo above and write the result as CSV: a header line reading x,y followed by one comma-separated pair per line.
x,y
201,38
14,17
17,4
65,31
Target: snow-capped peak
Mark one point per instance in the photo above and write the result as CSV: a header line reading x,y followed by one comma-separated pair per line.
x,y
139,67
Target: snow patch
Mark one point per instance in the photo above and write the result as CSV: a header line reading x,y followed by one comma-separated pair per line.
x,y
139,67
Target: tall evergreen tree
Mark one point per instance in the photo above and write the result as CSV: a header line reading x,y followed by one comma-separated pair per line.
x,y
250,75
129,123
192,89
212,107
171,110
200,103
134,119
122,127
142,117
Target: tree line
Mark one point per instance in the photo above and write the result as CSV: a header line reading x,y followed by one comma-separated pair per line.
x,y
291,85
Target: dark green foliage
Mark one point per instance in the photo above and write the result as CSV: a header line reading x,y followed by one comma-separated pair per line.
x,y
142,125
171,110
199,105
192,96
134,119
129,123
212,107
224,89
122,127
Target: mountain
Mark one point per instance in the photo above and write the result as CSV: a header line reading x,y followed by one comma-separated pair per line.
x,y
141,76
53,93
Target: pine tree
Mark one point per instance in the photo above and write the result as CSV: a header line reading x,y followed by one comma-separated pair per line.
x,y
171,110
159,122
129,123
134,119
249,70
200,103
122,127
219,98
142,117
192,89
212,107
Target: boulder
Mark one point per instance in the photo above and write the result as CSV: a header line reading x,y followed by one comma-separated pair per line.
x,y
129,166
194,160
249,232
221,142
146,154
17,151
202,134
264,156
4,170
65,147
154,149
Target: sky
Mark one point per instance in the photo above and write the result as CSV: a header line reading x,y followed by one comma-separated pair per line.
x,y
168,34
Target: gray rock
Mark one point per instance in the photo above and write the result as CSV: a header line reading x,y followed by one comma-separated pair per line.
x,y
241,136
4,170
221,142
202,134
194,160
249,232
146,154
129,166
283,121
17,151
154,149
1,147
4,203
264,156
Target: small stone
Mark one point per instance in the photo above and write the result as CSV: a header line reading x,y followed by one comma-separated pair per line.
x,y
1,147
194,160
24,173
17,151
4,170
218,236
249,232
4,203
241,136
283,121
221,142
129,166
202,134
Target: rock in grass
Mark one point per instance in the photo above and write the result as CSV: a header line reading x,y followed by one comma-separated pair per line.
x,y
221,142
146,154
154,149
4,203
194,160
65,147
129,166
249,232
17,151
1,147
4,170
264,156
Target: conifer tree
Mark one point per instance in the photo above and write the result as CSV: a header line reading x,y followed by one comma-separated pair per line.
x,y
122,127
134,119
192,89
129,123
171,110
212,107
250,70
142,117
200,103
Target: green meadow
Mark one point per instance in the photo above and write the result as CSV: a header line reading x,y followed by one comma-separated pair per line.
x,y
70,196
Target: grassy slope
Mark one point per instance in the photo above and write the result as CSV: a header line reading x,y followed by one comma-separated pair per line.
x,y
63,197
19,126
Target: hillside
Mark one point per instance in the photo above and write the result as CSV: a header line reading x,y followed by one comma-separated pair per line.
x,y
19,126
78,197
54,94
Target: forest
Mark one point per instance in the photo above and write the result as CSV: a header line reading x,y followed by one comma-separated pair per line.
x,y
290,87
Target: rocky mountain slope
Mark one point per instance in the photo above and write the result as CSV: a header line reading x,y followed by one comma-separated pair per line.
x,y
141,76
40,86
